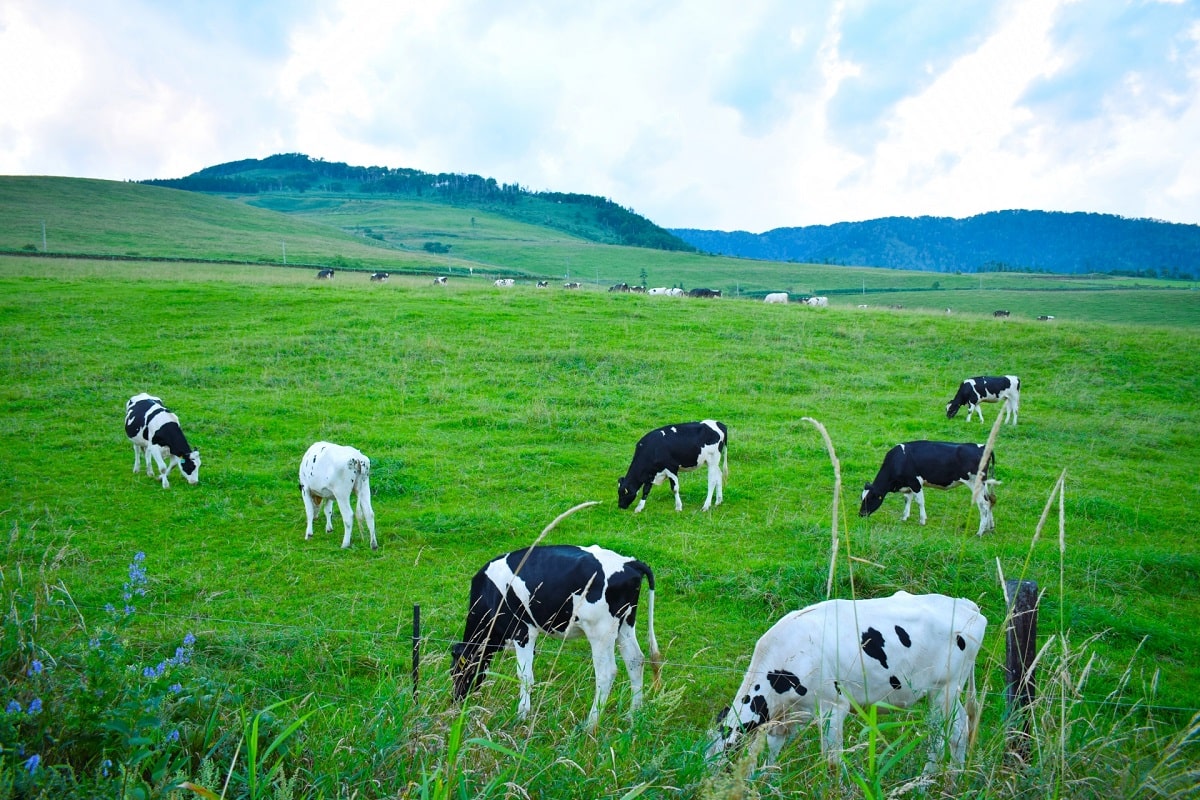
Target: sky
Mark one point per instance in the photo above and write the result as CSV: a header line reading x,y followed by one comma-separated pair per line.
x,y
747,115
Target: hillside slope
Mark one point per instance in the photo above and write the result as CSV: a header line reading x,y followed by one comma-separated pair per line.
x,y
1024,241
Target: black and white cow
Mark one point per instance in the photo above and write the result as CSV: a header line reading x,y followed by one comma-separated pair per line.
x,y
909,467
543,284
704,293
324,274
330,473
665,452
379,276
562,591
985,389
1000,312
896,650
439,280
619,287
152,428
571,285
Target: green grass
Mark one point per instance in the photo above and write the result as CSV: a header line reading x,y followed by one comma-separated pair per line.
x,y
487,413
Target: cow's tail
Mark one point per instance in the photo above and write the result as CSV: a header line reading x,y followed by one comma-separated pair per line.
x,y
656,659
362,477
973,710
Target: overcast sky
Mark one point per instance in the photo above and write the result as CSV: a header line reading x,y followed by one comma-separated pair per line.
x,y
748,115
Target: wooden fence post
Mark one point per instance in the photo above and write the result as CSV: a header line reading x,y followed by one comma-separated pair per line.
x,y
1021,650
416,648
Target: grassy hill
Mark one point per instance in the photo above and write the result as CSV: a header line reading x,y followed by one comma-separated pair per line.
x,y
487,413
313,229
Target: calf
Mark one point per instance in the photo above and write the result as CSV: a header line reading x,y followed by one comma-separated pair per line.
x,y
329,473
562,591
503,282
1000,313
619,287
571,285
776,297
152,428
983,389
324,274
817,302
543,284
909,467
1045,317
379,276
439,280
665,452
815,662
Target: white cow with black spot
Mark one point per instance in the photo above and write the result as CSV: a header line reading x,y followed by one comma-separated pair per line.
x,y
329,473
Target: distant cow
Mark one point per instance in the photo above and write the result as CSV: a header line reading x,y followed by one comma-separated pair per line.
x,y
505,282
813,664
563,591
776,297
152,428
329,473
817,302
571,285
619,287
658,290
1000,313
675,291
440,280
638,289
324,274
909,467
1045,317
379,276
984,389
704,293
665,452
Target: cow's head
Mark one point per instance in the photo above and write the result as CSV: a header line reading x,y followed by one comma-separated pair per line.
x,y
626,492
190,466
468,663
952,408
872,499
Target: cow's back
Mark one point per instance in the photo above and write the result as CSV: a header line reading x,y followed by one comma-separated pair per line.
x,y
325,463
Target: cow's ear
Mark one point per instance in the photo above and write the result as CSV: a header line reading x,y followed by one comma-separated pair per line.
x,y
866,487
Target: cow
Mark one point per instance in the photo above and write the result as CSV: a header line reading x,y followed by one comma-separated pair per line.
x,y
619,287
1045,317
776,297
638,289
563,591
985,389
818,662
909,467
543,284
817,302
379,276
329,473
504,282
675,291
439,280
324,274
152,428
665,452
658,290
571,285
1000,313
704,293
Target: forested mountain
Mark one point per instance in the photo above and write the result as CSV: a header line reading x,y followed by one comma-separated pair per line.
x,y
1025,241
590,217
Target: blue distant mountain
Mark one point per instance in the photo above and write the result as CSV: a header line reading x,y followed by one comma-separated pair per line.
x,y
1016,241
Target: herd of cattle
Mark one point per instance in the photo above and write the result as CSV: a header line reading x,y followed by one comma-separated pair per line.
x,y
812,665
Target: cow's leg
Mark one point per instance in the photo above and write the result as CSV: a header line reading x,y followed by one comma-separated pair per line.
x,y
919,496
831,718
525,671
347,512
642,503
310,511
714,483
978,409
364,509
947,715
604,660
674,478
907,505
635,662
174,461
137,458
986,521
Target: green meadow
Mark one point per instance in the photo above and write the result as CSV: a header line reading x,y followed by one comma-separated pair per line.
x,y
488,412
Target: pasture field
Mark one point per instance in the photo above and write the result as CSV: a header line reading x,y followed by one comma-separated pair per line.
x,y
488,412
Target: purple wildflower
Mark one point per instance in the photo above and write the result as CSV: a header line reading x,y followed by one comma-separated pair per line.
x,y
32,763
173,736
35,705
35,667
176,687
13,707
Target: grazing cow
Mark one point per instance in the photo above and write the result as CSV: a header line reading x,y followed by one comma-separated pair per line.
x,y
863,305
379,276
571,285
440,280
505,282
909,467
1000,313
984,389
324,274
638,289
619,287
704,293
152,428
657,290
675,291
776,297
1045,317
329,473
815,662
817,302
563,591
665,452
543,284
